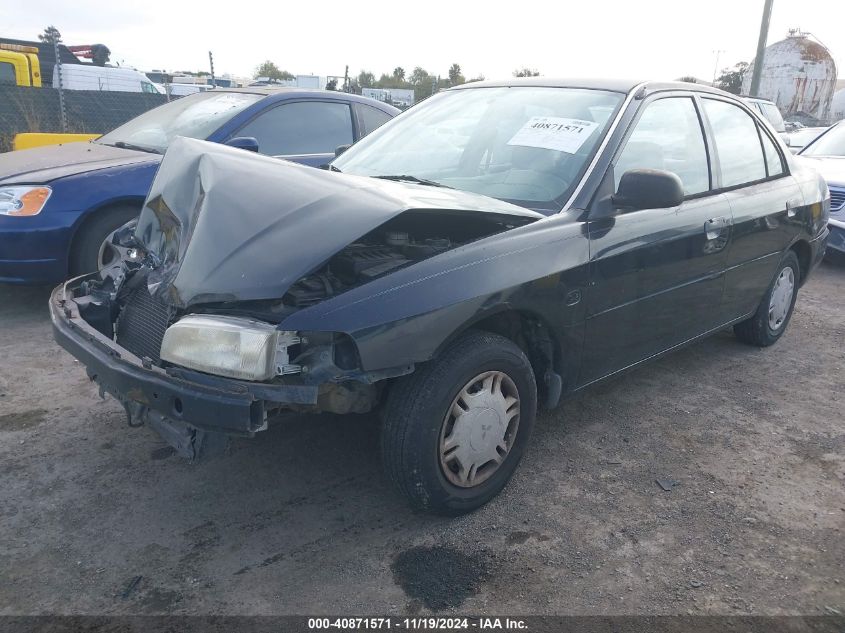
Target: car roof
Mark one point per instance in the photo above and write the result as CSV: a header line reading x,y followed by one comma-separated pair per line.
x,y
271,91
611,85
758,99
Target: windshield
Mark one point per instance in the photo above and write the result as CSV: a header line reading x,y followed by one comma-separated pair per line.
x,y
195,116
526,145
831,143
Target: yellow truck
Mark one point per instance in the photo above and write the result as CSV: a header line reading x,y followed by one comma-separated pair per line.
x,y
19,65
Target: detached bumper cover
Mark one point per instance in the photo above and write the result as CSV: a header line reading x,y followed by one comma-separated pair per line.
x,y
151,393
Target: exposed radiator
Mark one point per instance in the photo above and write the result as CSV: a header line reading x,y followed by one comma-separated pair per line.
x,y
141,324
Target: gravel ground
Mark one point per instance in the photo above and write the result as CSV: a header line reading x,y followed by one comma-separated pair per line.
x,y
98,518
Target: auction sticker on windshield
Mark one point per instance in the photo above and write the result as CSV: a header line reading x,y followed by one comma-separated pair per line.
x,y
551,132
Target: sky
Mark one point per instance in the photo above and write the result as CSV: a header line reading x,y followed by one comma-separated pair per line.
x,y
646,39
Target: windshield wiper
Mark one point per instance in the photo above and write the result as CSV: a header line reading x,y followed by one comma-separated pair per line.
x,y
140,148
414,179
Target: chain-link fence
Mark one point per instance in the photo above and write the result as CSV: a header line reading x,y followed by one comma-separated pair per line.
x,y
25,109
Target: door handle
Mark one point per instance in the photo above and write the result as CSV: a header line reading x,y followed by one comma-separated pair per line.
x,y
714,227
791,211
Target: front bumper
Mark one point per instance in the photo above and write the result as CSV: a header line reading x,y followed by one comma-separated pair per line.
x,y
175,399
836,240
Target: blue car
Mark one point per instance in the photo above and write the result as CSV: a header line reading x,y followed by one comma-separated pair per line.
x,y
60,205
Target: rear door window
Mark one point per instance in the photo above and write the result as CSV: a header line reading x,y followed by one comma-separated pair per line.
x,y
737,143
301,128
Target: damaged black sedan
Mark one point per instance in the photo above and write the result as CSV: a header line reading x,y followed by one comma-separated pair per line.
x,y
482,255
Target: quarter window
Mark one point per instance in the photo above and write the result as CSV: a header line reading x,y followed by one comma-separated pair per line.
x,y
372,118
304,127
668,137
774,163
737,143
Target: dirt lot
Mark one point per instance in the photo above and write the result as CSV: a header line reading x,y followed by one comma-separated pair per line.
x,y
299,519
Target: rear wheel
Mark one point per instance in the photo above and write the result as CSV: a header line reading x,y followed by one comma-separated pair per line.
x,y
92,250
455,430
775,310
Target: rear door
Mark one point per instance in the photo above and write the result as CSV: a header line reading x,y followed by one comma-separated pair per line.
x,y
306,131
763,197
656,275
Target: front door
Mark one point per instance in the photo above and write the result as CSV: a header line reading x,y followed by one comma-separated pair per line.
x,y
306,132
657,275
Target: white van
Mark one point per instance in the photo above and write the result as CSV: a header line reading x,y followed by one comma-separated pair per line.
x,y
106,78
180,90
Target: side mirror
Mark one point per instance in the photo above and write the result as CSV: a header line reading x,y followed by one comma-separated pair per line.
x,y
648,189
340,149
249,143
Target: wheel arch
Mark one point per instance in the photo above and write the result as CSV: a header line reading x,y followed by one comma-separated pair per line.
x,y
91,214
530,332
804,253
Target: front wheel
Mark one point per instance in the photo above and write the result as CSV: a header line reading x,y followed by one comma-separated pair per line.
x,y
93,249
455,430
775,310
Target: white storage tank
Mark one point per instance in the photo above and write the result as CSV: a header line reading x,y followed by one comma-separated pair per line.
x,y
799,75
837,107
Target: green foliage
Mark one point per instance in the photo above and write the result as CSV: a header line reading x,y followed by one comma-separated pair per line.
x,y
50,35
526,72
399,74
730,80
269,69
331,84
366,79
690,79
455,76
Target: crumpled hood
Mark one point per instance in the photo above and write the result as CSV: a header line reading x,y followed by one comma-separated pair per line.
x,y
42,164
227,224
832,168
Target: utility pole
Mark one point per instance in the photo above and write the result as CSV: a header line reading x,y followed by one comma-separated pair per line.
x,y
211,63
346,79
761,47
716,66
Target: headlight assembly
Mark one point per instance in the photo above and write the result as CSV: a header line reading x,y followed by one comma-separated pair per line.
x,y
23,200
229,346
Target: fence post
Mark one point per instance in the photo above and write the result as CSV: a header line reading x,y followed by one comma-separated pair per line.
x,y
62,110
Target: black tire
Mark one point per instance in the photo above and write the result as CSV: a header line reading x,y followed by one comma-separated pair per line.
x,y
757,330
415,414
89,238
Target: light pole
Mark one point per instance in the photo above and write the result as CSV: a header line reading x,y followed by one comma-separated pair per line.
x,y
761,47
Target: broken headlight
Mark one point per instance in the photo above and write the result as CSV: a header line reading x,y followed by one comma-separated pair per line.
x,y
229,346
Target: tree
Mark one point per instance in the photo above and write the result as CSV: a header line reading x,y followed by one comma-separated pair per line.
x,y
690,79
271,71
455,76
479,78
399,74
331,84
526,72
366,79
50,35
422,82
730,80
